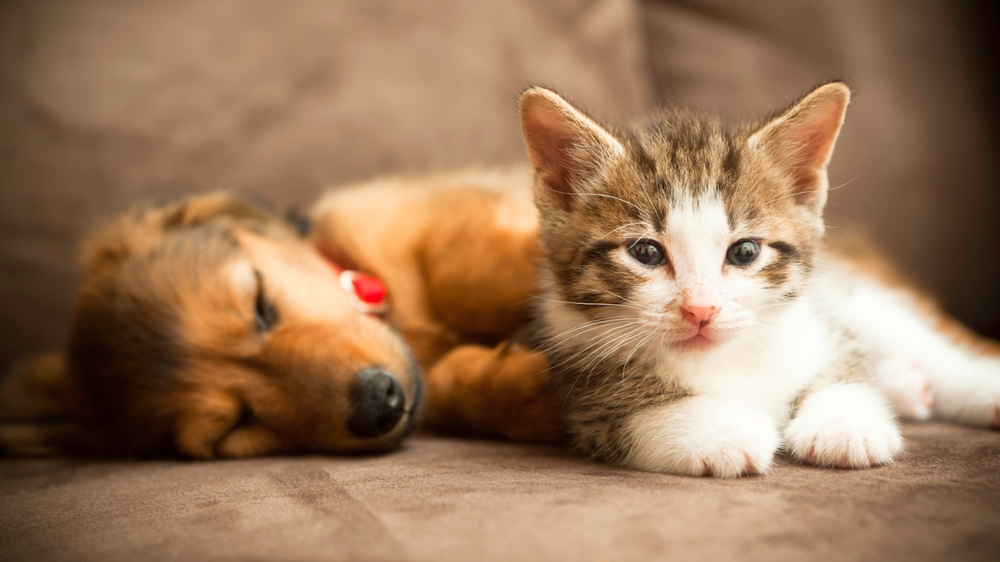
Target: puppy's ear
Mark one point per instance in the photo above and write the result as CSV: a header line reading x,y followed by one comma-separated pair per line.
x,y
141,228
800,141
566,146
201,209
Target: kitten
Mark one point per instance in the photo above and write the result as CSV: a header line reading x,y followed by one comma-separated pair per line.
x,y
693,319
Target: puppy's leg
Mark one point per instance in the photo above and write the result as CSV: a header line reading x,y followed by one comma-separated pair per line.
x,y
36,388
248,441
36,407
212,427
492,391
28,439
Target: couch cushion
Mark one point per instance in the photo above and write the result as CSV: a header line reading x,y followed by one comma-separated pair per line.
x,y
104,101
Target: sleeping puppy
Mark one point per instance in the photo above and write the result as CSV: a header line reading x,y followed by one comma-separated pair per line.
x,y
211,327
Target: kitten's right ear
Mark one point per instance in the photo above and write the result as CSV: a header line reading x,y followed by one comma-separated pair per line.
x,y
564,145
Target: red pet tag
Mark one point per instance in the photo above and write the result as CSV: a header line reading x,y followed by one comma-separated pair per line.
x,y
368,293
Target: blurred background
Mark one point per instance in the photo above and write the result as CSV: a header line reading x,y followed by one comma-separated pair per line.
x,y
104,102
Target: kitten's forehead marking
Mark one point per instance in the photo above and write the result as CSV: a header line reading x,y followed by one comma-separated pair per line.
x,y
697,233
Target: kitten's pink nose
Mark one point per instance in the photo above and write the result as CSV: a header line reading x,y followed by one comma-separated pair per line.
x,y
699,315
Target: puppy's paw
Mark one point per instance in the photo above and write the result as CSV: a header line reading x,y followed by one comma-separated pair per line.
x,y
906,387
703,436
498,391
845,426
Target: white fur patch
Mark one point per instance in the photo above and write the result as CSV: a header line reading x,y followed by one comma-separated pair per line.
x,y
844,425
702,436
766,368
697,239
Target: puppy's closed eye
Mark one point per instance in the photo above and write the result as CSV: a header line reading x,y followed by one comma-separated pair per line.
x,y
246,418
265,314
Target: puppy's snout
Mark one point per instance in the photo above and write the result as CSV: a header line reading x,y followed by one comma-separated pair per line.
x,y
378,403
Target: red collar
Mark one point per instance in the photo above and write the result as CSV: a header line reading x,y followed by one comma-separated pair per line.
x,y
367,293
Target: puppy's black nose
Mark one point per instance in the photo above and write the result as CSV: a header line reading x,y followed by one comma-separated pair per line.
x,y
378,402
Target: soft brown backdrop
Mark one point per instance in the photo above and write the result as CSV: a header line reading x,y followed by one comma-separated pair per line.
x,y
104,101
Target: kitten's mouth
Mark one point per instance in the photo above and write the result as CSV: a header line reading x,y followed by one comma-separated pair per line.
x,y
697,342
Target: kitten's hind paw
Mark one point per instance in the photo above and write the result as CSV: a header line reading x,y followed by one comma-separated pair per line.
x,y
703,436
844,426
907,388
971,399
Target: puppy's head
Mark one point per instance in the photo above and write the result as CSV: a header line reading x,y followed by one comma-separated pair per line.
x,y
209,327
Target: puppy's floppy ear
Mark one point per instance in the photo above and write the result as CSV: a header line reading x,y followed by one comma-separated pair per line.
x,y
565,145
800,141
200,209
143,227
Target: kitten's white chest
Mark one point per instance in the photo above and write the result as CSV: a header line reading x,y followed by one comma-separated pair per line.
x,y
767,374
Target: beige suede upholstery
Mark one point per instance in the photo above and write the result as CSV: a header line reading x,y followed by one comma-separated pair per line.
x,y
443,500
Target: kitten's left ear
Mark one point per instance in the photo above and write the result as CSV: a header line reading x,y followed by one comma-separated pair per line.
x,y
800,140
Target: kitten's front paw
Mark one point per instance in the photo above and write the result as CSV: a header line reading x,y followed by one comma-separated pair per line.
x,y
846,426
702,436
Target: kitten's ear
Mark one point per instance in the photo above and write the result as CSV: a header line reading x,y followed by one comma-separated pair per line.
x,y
800,140
564,144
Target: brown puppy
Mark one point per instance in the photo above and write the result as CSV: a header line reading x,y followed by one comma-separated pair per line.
x,y
210,328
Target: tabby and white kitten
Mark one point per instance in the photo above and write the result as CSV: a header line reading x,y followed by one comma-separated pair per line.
x,y
692,318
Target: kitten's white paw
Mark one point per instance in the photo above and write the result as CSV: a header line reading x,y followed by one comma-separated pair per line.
x,y
907,388
703,436
846,426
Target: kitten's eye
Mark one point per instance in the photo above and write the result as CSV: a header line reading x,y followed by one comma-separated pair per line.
x,y
743,253
265,315
647,252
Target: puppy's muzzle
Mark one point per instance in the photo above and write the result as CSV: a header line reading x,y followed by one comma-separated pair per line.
x,y
378,403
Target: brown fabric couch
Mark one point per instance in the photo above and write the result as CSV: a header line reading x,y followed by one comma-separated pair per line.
x,y
103,102
443,500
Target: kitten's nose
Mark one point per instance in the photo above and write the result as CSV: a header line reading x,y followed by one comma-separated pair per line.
x,y
699,315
